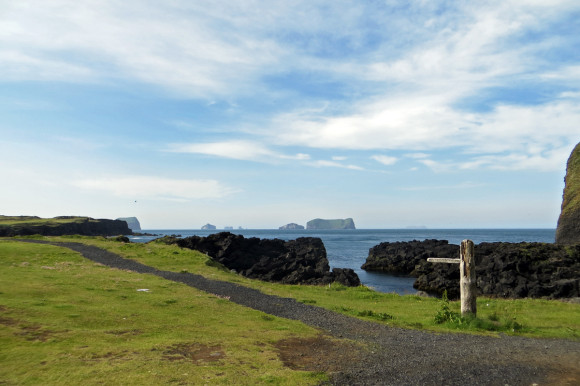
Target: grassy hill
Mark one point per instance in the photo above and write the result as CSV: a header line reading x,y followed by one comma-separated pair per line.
x,y
62,225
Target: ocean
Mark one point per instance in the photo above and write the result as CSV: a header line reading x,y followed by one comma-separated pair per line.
x,y
350,248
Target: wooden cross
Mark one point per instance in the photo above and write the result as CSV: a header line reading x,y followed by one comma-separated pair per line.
x,y
467,284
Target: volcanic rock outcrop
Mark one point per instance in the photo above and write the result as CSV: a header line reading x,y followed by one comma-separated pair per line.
x,y
568,231
300,261
509,270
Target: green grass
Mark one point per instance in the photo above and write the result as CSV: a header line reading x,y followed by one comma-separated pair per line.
x,y
34,221
536,317
64,319
67,320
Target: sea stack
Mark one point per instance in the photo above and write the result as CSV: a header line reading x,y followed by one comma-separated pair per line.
x,y
568,231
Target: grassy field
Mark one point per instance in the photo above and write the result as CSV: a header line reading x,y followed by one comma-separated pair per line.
x,y
34,221
65,319
526,317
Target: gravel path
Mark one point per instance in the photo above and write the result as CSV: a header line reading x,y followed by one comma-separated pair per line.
x,y
396,356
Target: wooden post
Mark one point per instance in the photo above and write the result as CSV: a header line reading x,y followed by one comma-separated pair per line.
x,y
467,282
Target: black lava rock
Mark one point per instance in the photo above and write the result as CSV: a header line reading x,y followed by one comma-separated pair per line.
x,y
300,261
509,270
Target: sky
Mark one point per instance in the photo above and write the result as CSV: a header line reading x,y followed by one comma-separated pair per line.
x,y
255,114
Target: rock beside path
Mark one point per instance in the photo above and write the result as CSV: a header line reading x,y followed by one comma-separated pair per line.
x,y
300,261
509,270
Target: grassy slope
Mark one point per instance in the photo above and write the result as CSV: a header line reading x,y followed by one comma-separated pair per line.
x,y
67,320
30,221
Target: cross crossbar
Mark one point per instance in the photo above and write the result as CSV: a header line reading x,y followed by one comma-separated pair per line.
x,y
443,260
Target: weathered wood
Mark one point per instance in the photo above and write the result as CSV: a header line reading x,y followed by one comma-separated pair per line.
x,y
467,282
443,260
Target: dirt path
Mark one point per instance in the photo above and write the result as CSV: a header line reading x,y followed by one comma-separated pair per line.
x,y
383,355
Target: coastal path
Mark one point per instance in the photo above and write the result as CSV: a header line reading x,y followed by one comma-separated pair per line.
x,y
386,355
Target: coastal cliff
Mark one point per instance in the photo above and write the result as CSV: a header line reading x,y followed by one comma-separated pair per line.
x,y
321,224
132,222
62,225
568,231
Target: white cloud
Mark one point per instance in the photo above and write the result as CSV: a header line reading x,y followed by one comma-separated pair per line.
x,y
399,94
537,159
334,164
236,149
149,187
385,159
417,155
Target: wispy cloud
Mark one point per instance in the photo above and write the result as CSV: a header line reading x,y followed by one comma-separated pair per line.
x,y
151,187
465,185
236,149
334,164
385,159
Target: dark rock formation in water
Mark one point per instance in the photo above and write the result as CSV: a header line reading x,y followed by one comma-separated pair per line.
x,y
321,224
509,270
66,225
300,261
568,231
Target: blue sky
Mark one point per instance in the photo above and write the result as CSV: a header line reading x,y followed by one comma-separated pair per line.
x,y
447,114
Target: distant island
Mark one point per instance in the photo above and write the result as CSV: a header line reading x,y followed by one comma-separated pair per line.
x,y
319,223
132,222
208,226
291,226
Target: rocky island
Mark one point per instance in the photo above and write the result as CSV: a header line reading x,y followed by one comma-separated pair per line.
x,y
292,226
321,224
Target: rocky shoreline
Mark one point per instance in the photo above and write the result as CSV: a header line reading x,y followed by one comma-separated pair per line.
x,y
300,261
507,270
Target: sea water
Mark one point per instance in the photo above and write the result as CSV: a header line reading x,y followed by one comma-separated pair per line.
x,y
350,248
